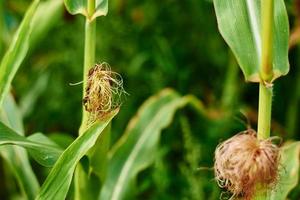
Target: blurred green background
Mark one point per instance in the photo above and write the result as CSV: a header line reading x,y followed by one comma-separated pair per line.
x,y
153,45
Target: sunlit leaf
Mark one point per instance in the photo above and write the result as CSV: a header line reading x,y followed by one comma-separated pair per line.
x,y
136,148
17,51
80,7
76,6
58,181
101,8
239,23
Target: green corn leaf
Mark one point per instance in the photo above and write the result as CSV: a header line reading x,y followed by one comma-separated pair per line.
x,y
86,184
80,7
289,173
101,8
16,157
76,7
98,154
17,51
46,156
58,181
93,169
239,23
136,148
39,146
10,115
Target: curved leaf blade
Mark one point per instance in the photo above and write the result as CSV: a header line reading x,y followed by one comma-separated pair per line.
x,y
58,181
101,8
17,51
136,148
80,7
239,23
11,116
76,7
46,155
16,157
43,151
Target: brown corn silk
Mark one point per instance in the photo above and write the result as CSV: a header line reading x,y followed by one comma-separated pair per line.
x,y
243,162
103,92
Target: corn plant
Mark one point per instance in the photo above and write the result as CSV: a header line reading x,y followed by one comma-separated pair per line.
x,y
99,172
250,165
91,167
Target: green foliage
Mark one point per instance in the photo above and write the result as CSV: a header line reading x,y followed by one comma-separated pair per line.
x,y
76,7
40,147
136,148
98,155
101,8
138,40
191,162
16,52
289,171
59,179
80,7
239,23
16,157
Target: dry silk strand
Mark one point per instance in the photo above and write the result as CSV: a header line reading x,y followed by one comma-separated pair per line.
x,y
243,162
103,93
